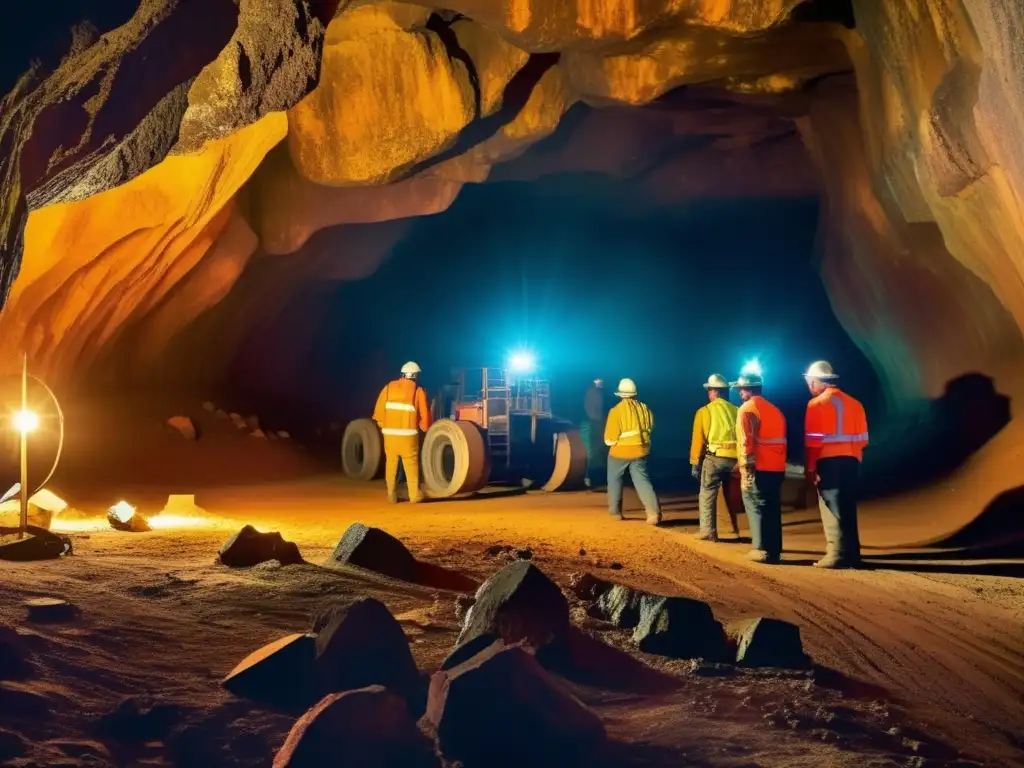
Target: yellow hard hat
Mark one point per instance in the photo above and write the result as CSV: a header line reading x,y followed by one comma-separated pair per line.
x,y
716,381
410,369
627,388
822,369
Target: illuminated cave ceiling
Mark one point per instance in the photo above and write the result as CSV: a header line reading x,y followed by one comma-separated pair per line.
x,y
167,157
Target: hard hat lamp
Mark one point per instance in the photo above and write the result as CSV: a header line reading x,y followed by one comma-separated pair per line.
x,y
751,368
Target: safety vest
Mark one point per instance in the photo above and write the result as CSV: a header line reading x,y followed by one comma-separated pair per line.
x,y
714,430
627,431
835,425
761,433
402,409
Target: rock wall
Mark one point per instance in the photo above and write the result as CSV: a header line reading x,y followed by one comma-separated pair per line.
x,y
264,164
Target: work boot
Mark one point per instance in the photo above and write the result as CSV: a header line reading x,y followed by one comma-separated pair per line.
x,y
415,499
706,536
760,556
392,498
835,562
615,516
655,520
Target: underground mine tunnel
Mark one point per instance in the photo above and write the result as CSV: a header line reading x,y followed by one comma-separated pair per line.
x,y
226,226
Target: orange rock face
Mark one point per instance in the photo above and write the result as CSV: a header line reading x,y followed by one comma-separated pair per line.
x,y
289,126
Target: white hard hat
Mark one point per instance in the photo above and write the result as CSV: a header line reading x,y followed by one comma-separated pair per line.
x,y
716,381
821,370
410,369
747,380
627,388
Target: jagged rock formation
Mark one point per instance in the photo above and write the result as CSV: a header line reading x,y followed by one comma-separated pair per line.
x,y
243,168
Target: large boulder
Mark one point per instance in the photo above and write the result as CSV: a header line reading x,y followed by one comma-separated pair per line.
x,y
518,604
280,673
362,644
250,547
679,627
502,708
765,642
375,550
620,605
366,727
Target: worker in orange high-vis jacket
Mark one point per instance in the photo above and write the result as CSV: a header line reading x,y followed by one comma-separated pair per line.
x,y
402,413
836,434
761,445
627,433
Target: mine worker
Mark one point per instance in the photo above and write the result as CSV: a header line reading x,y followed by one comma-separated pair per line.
x,y
836,434
627,433
761,447
402,414
595,406
713,454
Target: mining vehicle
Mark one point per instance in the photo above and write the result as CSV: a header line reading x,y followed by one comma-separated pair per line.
x,y
492,427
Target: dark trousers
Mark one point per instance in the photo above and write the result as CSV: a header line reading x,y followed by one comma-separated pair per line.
x,y
716,472
763,505
597,455
838,489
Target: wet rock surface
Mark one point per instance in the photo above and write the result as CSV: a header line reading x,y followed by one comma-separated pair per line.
x,y
765,642
281,673
679,627
518,603
362,644
250,547
369,726
375,550
502,708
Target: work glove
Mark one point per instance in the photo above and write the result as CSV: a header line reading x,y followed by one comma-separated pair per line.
x,y
747,478
695,471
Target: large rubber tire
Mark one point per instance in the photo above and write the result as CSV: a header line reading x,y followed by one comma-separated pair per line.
x,y
362,450
471,468
570,461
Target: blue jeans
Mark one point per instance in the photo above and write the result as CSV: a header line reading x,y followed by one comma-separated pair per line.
x,y
716,472
837,489
763,505
641,481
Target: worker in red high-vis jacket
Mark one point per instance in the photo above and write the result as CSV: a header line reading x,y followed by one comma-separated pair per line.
x,y
836,434
761,448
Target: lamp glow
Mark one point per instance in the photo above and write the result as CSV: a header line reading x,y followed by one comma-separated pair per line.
x,y
751,368
522,362
25,421
123,511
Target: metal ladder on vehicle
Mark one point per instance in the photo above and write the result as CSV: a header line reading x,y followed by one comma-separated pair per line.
x,y
496,396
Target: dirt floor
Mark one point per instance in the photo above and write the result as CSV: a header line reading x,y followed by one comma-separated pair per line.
x,y
919,659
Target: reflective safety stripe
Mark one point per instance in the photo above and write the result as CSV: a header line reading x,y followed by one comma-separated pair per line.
x,y
399,432
771,440
399,406
720,446
631,433
840,436
610,443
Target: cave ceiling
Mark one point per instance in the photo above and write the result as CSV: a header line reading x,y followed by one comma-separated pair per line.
x,y
171,162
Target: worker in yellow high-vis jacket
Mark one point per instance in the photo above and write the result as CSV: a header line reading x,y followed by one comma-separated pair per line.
x,y
713,454
627,433
403,413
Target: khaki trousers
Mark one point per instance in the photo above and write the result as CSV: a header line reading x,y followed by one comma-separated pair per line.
x,y
404,448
